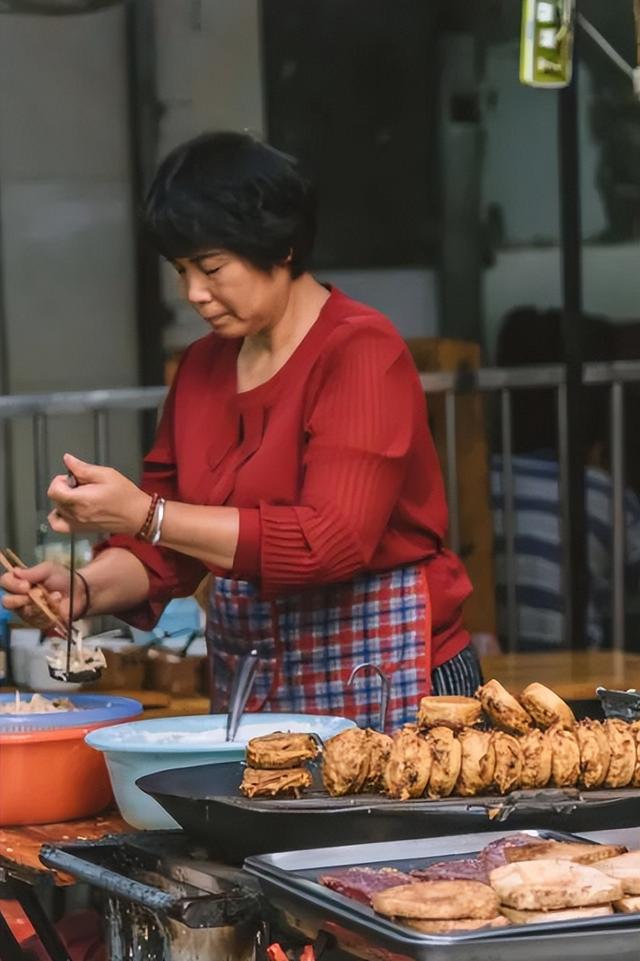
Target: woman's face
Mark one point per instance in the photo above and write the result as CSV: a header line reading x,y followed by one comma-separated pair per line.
x,y
235,298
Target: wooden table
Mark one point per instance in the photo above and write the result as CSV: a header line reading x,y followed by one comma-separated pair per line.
x,y
574,675
26,882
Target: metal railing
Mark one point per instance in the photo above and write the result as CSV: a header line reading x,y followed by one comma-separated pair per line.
x,y
505,381
497,381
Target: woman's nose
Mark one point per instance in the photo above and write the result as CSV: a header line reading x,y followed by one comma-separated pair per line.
x,y
195,288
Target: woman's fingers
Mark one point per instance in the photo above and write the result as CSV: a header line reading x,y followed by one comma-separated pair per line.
x,y
15,602
13,584
58,524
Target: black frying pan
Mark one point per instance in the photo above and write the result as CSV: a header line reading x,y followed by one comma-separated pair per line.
x,y
206,803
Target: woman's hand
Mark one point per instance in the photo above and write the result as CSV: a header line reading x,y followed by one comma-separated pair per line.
x,y
54,578
104,500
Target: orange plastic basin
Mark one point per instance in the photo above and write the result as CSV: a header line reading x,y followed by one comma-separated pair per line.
x,y
49,776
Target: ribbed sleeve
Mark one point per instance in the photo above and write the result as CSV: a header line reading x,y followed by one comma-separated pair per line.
x,y
359,433
170,574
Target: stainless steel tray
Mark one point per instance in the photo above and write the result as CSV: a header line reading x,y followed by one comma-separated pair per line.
x,y
290,881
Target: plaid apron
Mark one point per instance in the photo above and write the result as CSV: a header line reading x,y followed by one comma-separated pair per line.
x,y
309,642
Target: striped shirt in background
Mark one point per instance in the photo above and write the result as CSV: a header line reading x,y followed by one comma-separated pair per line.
x,y
539,552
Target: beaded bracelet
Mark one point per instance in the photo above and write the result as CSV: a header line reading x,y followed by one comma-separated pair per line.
x,y
143,533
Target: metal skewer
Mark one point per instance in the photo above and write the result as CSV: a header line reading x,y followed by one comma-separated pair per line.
x,y
72,567
89,673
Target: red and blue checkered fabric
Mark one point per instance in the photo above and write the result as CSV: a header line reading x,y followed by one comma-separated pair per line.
x,y
310,642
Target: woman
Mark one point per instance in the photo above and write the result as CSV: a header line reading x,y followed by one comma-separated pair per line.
x,y
293,460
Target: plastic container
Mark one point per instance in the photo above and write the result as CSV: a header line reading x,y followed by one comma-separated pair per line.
x,y
24,642
47,772
158,744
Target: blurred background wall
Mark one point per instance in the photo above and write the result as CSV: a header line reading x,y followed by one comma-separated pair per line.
x,y
436,169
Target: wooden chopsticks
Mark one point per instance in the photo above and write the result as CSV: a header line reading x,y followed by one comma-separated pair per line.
x,y
10,560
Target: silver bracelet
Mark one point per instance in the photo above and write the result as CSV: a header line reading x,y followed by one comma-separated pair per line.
x,y
158,519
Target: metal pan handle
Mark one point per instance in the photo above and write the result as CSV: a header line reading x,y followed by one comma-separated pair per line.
x,y
106,879
207,910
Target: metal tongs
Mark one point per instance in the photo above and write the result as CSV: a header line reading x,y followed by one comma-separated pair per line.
x,y
66,674
240,690
385,689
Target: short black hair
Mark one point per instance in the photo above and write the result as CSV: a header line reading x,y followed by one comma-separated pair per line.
x,y
226,190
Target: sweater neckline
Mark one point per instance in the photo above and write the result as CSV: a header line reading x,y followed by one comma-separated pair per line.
x,y
259,394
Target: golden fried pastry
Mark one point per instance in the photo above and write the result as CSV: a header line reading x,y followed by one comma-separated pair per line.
x,y
477,764
627,905
543,917
446,760
378,748
578,851
508,767
437,900
536,760
275,751
624,756
635,733
448,711
258,783
565,757
625,868
345,763
545,707
503,709
459,924
595,753
552,885
409,765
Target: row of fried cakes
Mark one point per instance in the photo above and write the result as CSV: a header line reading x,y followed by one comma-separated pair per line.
x,y
535,742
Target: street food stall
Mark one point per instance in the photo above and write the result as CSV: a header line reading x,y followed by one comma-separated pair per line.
x,y
493,827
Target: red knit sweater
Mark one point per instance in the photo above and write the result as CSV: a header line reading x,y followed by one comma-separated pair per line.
x,y
330,463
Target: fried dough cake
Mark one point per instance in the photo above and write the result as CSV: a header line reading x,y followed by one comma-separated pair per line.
x,y
282,783
446,761
552,885
345,762
625,868
536,760
477,764
438,900
280,750
508,766
448,710
546,917
546,707
409,765
503,709
459,924
578,851
595,753
622,764
565,757
635,733
628,905
378,748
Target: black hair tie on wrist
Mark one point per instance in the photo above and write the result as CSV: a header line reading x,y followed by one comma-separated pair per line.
x,y
87,593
